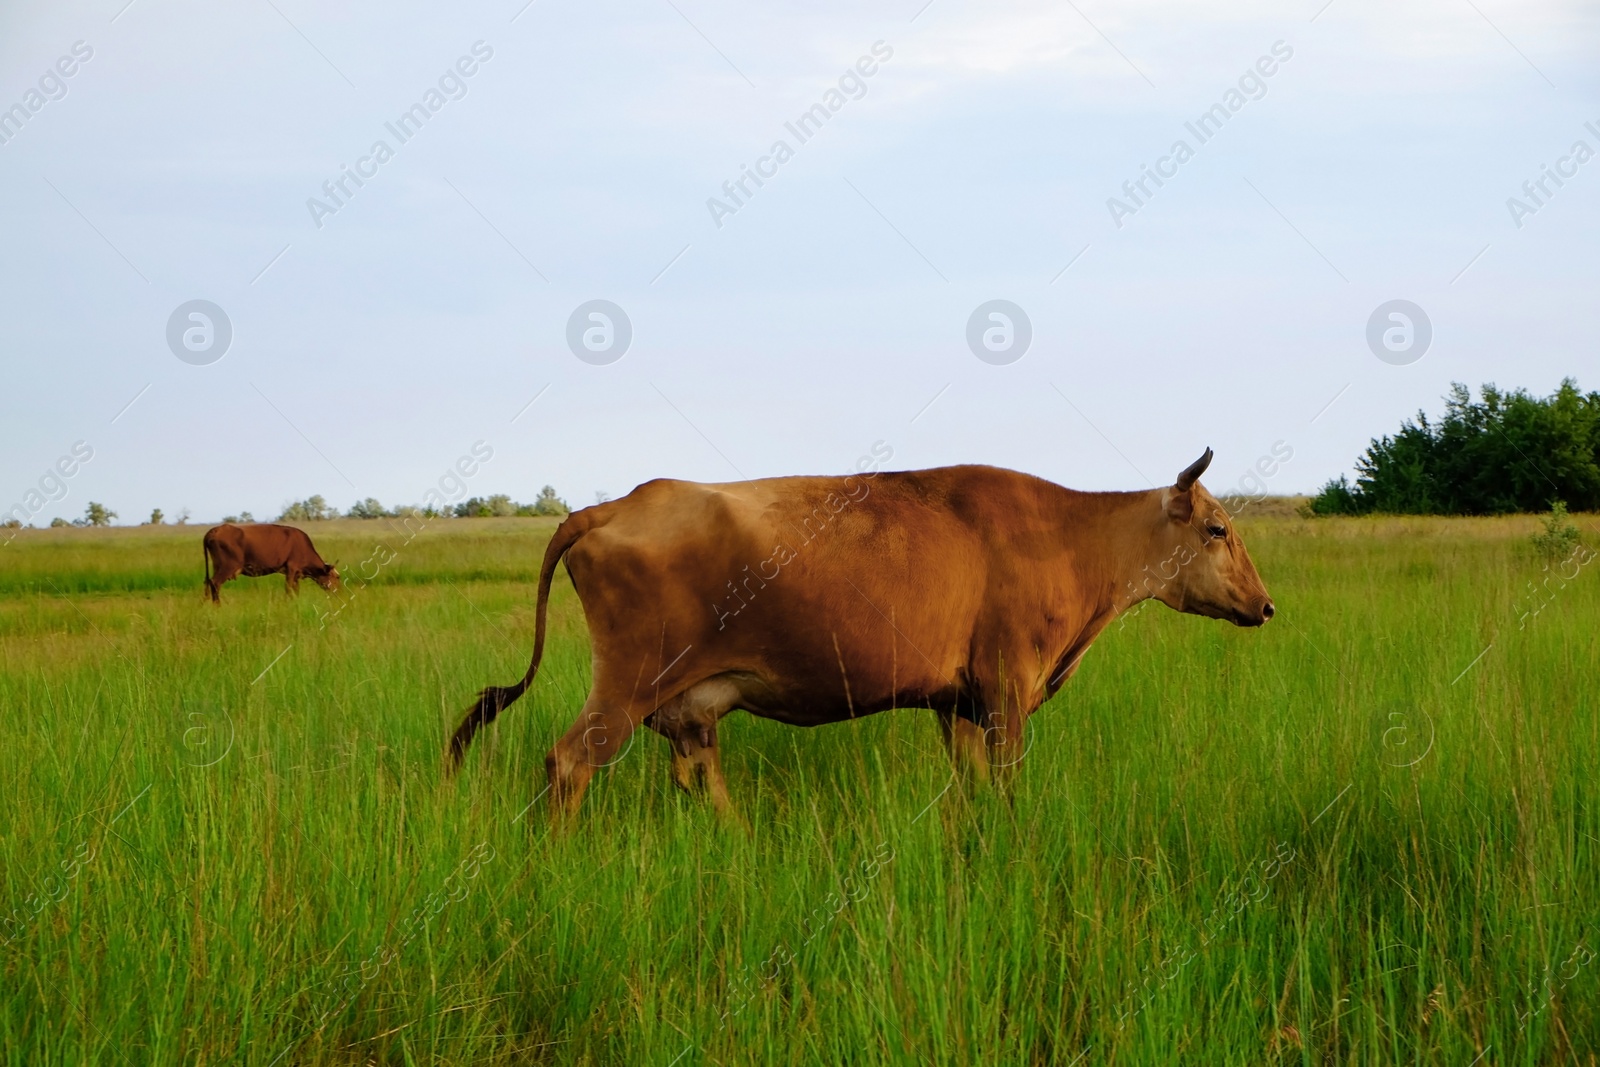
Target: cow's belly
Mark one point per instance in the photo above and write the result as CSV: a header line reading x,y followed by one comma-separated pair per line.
x,y
799,704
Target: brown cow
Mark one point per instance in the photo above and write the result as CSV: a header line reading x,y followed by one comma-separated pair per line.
x,y
260,549
971,590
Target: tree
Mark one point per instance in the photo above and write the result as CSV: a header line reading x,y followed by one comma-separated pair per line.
x,y
156,518
59,521
96,515
366,509
547,503
1507,452
312,509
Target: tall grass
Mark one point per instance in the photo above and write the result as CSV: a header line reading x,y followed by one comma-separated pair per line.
x,y
1353,836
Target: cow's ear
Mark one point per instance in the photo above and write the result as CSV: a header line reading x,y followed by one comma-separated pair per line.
x,y
1179,500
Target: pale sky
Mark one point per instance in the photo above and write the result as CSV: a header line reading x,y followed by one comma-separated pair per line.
x,y
377,339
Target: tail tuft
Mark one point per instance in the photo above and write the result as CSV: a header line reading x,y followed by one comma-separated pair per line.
x,y
491,702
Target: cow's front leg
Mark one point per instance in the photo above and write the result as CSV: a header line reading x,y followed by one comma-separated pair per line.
x,y
1003,736
689,723
697,766
291,581
964,740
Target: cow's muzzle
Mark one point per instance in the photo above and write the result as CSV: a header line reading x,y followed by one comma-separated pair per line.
x,y
1258,614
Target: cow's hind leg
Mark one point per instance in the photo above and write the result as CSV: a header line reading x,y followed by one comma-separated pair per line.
x,y
221,575
689,723
598,737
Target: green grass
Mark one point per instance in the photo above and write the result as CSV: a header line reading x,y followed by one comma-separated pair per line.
x,y
1216,851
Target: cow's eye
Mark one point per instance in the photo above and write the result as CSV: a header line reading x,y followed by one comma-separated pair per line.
x,y
1216,530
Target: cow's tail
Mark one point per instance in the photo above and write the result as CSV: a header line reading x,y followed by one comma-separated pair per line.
x,y
205,551
496,698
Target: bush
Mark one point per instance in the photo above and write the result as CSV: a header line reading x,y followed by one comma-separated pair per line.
x,y
1505,453
1559,537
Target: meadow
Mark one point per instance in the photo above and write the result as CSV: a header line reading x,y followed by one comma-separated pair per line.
x,y
1366,833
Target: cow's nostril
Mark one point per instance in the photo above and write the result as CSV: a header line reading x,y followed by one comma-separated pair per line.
x,y
1267,610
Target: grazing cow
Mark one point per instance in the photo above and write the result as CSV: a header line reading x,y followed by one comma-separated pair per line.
x,y
263,548
970,590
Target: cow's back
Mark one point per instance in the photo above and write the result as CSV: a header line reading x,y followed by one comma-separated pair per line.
x,y
876,578
262,546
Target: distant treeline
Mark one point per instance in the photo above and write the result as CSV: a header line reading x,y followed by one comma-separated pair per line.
x,y
1507,452
316,509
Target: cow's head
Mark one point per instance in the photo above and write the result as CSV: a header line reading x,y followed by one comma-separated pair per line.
x,y
1203,567
326,576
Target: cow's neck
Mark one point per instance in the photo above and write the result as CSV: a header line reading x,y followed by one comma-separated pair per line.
x,y
1139,563
1110,541
1118,546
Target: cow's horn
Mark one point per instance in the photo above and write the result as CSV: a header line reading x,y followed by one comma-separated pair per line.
x,y
1191,474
